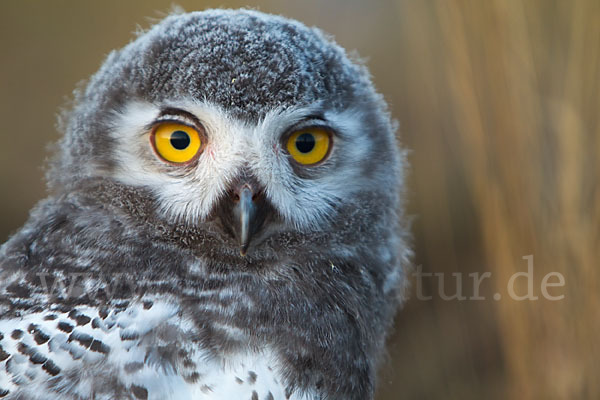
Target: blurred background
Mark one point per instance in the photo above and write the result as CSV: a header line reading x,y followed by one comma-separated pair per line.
x,y
499,103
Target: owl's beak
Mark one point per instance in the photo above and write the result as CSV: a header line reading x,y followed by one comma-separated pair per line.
x,y
244,213
250,210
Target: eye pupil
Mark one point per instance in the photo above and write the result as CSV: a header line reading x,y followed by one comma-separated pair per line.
x,y
180,140
305,143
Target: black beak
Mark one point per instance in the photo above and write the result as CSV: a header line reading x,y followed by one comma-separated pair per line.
x,y
243,212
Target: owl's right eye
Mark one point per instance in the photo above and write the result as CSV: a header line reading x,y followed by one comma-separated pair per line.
x,y
176,143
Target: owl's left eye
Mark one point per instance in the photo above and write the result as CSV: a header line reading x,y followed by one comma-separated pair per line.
x,y
175,142
309,146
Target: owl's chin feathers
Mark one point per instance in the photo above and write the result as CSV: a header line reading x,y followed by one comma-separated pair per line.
x,y
217,238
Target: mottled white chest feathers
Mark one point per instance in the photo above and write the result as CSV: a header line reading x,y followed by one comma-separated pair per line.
x,y
144,350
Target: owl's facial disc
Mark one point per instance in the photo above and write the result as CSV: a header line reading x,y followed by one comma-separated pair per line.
x,y
291,171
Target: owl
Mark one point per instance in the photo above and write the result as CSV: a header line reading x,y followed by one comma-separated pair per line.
x,y
224,221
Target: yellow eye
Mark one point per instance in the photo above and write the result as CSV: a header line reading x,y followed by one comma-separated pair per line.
x,y
309,146
175,142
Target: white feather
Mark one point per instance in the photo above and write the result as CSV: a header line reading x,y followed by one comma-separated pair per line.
x,y
234,377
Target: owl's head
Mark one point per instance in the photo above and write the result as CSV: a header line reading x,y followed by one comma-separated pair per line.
x,y
245,125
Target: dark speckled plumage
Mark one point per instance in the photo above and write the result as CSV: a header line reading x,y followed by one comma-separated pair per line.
x,y
321,299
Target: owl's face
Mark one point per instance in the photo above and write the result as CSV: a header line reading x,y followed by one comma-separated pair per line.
x,y
239,125
293,170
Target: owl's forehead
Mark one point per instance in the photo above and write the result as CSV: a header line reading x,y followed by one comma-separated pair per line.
x,y
246,62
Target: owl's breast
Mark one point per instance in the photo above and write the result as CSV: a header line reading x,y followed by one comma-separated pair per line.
x,y
149,350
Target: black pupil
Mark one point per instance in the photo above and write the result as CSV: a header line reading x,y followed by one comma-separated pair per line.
x,y
305,143
180,140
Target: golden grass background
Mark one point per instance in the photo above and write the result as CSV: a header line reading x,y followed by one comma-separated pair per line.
x,y
498,102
